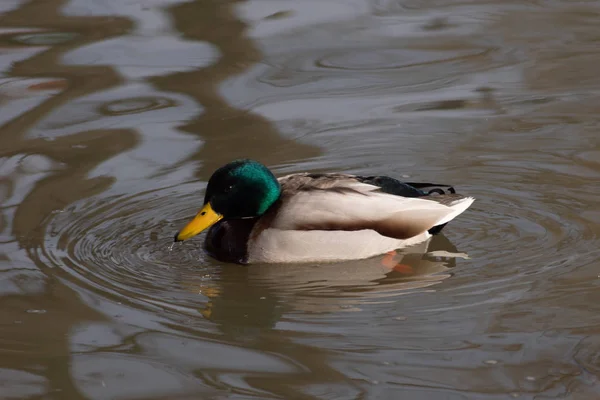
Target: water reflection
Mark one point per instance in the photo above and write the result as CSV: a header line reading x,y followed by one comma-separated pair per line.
x,y
228,132
247,301
115,113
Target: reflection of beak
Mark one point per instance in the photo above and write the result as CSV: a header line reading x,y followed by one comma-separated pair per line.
x,y
204,219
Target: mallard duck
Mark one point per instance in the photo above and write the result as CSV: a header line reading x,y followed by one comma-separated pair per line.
x,y
255,217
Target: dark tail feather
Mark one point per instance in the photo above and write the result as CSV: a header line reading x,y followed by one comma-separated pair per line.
x,y
437,229
430,188
406,189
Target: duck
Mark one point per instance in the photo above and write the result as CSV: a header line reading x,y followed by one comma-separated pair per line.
x,y
253,217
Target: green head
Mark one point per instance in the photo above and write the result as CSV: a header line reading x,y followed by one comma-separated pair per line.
x,y
240,189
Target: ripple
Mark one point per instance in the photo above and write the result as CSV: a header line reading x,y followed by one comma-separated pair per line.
x,y
135,105
123,246
45,38
523,235
391,59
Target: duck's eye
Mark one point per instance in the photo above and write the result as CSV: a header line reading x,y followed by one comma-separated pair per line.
x,y
228,189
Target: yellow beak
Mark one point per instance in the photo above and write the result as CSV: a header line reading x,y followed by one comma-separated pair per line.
x,y
204,219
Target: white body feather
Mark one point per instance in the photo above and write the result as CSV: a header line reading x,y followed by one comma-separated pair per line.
x,y
362,204
286,246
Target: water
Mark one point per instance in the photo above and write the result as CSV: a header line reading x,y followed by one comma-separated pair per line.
x,y
114,114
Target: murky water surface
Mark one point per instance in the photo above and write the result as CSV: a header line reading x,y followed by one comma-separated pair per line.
x,y
114,114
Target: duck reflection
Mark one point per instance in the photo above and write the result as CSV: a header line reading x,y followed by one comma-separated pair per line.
x,y
246,301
